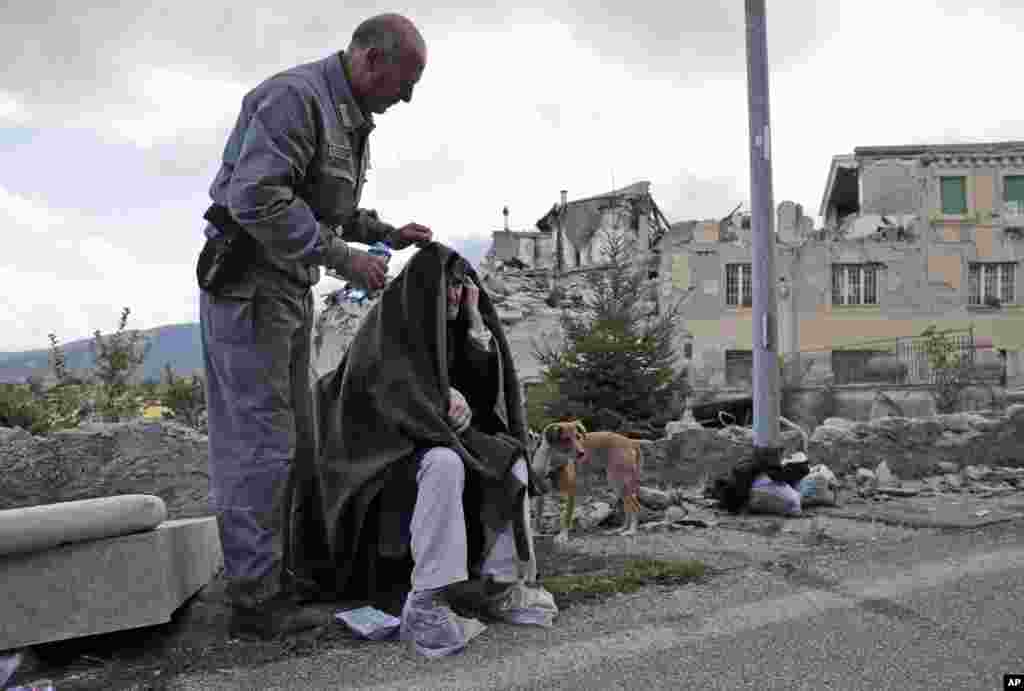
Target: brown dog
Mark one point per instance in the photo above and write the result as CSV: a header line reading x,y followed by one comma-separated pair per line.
x,y
564,444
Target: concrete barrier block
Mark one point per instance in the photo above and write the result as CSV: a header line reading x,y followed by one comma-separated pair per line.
x,y
105,585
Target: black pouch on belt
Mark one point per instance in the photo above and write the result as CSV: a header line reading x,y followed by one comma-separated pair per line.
x,y
225,258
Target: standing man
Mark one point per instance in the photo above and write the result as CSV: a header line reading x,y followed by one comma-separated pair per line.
x,y
292,173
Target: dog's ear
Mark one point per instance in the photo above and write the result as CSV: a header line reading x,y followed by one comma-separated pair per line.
x,y
580,428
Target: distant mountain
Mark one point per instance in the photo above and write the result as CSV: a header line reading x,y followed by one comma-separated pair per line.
x,y
177,344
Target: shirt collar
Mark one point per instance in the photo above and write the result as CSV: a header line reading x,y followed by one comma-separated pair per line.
x,y
339,84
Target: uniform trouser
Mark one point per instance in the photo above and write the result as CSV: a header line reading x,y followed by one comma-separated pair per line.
x,y
439,543
256,349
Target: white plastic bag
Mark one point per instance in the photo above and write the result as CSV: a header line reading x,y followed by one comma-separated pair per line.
x,y
819,487
768,496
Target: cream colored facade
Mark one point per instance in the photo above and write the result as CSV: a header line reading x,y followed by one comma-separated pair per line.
x,y
891,260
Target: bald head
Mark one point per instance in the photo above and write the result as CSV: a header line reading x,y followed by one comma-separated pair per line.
x,y
386,58
392,34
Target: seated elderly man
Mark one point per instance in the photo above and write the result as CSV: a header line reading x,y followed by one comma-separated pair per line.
x,y
421,469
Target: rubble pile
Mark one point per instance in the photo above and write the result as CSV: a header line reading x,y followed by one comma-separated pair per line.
x,y
981,481
914,447
163,457
521,299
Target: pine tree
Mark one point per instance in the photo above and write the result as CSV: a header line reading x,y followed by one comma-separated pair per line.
x,y
617,353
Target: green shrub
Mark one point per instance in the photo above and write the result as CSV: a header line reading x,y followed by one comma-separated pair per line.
x,y
19,408
185,397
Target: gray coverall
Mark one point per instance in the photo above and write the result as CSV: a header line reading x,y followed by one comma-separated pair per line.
x,y
292,173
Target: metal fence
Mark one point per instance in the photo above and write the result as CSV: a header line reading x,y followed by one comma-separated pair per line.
x,y
894,360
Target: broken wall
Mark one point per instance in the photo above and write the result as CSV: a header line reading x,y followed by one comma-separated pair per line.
x,y
890,187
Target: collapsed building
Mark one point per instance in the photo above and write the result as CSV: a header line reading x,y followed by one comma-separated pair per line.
x,y
912,237
572,235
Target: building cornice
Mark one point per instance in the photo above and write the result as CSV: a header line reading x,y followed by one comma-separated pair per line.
x,y
973,160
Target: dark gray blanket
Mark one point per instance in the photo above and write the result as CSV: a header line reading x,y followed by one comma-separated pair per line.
x,y
389,399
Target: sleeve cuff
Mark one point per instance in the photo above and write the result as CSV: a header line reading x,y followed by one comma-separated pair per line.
x,y
482,335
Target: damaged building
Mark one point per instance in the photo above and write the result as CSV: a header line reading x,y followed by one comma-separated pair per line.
x,y
913,236
575,231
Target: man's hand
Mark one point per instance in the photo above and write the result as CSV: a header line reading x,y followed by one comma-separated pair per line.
x,y
366,270
471,299
459,413
411,234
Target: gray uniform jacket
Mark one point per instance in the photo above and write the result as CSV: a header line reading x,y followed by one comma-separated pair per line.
x,y
294,166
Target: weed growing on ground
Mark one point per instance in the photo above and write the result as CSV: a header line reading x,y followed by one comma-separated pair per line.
x,y
635,574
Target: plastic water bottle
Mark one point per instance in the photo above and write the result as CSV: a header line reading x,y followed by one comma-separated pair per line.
x,y
361,295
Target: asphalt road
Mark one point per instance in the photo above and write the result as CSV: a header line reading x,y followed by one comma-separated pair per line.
x,y
944,611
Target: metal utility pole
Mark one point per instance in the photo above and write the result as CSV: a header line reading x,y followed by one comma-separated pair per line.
x,y
765,324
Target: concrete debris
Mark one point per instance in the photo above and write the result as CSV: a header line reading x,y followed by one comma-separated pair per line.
x,y
1014,476
680,426
1015,411
884,477
673,514
594,515
866,477
976,473
656,499
913,447
898,491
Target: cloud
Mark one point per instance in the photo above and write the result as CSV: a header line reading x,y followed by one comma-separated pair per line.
x,y
690,41
168,100
69,273
11,109
113,119
27,214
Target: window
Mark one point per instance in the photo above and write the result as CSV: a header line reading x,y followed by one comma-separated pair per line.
x,y
854,284
954,195
1013,194
990,282
738,285
688,351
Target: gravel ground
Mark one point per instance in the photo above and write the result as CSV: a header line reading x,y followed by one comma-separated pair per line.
x,y
748,558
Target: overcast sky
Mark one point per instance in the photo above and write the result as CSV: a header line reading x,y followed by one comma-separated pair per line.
x,y
112,121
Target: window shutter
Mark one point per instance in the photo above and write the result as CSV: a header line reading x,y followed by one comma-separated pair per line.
x,y
954,195
1013,191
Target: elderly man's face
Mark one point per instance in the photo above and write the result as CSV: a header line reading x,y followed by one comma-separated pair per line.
x,y
455,291
391,82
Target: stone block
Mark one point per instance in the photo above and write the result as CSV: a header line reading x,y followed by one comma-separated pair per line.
x,y
38,528
105,585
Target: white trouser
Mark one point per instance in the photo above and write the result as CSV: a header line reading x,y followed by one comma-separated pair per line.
x,y
439,546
